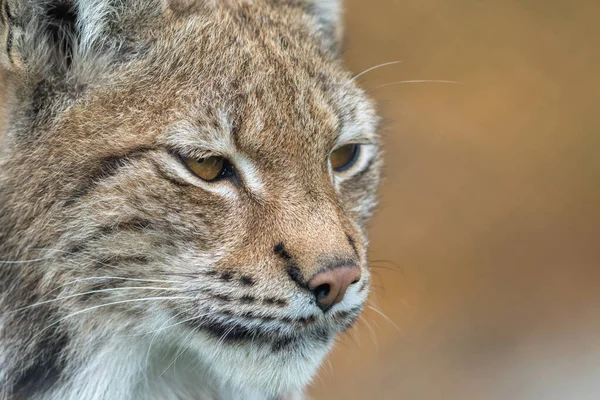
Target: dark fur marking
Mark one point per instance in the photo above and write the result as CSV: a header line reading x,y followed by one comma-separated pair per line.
x,y
281,303
363,286
9,45
281,343
120,260
296,275
347,318
6,7
247,299
45,370
342,315
131,225
307,320
272,301
228,332
321,335
226,277
353,245
247,280
222,297
279,250
42,94
172,180
234,332
135,224
7,18
104,169
79,247
283,43
351,321
61,19
292,269
269,301
264,318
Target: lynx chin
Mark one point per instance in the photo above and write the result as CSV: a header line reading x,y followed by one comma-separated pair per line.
x,y
184,192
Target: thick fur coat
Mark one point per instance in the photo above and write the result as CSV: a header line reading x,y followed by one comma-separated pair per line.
x,y
122,274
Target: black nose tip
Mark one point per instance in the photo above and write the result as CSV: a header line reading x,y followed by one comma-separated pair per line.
x,y
329,286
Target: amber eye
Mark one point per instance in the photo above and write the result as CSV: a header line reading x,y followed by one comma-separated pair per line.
x,y
344,157
210,169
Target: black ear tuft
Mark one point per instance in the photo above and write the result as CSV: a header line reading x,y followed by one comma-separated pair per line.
x,y
39,36
61,24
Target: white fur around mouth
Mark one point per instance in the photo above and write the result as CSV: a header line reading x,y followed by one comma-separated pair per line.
x,y
269,364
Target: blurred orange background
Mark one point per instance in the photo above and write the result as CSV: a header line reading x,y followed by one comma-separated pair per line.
x,y
486,246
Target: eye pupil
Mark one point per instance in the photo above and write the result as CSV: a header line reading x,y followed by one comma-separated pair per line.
x,y
344,157
210,169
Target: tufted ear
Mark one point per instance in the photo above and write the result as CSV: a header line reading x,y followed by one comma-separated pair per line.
x,y
329,17
50,37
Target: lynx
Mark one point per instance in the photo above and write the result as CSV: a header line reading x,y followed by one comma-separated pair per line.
x,y
184,192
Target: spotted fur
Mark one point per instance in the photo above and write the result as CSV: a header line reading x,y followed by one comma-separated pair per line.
x,y
123,275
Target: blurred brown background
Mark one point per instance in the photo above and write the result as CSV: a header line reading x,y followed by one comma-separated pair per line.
x,y
486,246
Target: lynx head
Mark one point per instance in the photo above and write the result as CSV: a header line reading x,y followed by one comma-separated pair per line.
x,y
180,177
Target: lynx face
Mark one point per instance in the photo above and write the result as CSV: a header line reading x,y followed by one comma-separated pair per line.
x,y
179,181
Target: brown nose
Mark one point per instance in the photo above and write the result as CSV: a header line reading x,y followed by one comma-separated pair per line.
x,y
329,287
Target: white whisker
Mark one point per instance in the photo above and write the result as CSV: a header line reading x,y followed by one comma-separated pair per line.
x,y
25,261
329,365
34,260
419,81
111,304
155,333
372,332
222,338
179,353
162,328
92,292
386,318
355,77
110,277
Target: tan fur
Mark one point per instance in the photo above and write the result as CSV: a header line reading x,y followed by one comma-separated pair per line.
x,y
93,198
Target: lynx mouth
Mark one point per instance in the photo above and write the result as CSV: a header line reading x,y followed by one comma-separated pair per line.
x,y
281,333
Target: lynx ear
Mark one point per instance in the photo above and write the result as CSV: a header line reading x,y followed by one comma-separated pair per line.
x,y
329,16
49,36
